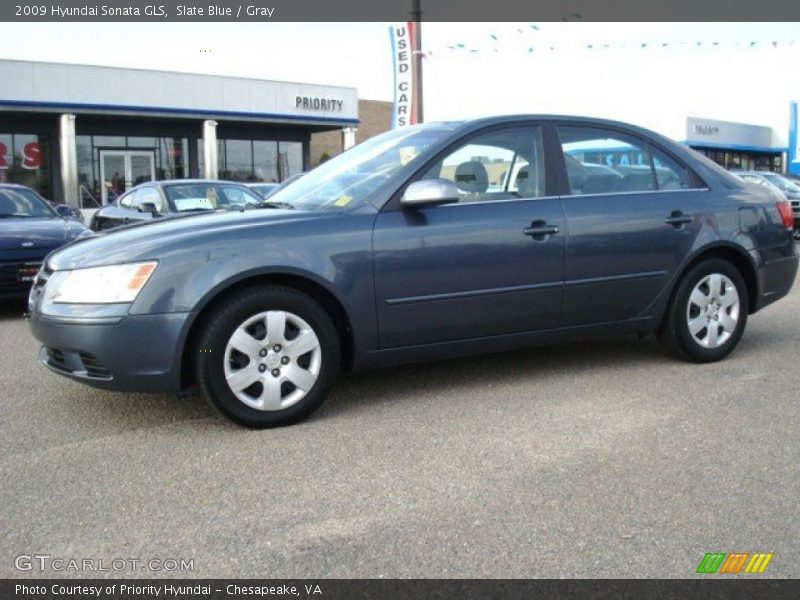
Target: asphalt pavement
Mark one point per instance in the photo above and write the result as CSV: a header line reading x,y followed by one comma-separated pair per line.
x,y
599,459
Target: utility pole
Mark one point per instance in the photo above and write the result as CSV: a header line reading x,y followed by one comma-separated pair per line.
x,y
416,15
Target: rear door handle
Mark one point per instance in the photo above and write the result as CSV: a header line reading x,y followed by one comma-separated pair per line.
x,y
677,219
540,230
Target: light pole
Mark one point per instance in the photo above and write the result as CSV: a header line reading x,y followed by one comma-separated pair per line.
x,y
416,15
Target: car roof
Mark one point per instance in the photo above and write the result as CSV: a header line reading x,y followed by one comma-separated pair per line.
x,y
166,182
14,186
577,120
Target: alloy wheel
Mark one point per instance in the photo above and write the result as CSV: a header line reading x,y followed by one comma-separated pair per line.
x,y
713,311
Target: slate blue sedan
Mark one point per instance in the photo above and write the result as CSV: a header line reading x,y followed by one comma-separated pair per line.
x,y
30,228
427,242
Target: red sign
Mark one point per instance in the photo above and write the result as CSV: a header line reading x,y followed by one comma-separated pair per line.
x,y
31,156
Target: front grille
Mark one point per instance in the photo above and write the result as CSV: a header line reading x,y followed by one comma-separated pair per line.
x,y
81,364
57,360
93,366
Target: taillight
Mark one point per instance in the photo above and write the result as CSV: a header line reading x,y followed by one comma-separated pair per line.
x,y
785,210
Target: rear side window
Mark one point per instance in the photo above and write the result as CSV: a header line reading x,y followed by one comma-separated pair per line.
x,y
670,174
600,161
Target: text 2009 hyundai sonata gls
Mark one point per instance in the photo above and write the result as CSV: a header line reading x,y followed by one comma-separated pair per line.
x,y
421,243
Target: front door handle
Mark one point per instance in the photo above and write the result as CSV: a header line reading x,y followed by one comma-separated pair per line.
x,y
540,230
678,219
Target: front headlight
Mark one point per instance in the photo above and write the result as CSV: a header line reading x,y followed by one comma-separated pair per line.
x,y
104,285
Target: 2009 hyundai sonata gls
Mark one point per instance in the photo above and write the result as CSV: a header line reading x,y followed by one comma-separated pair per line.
x,y
421,243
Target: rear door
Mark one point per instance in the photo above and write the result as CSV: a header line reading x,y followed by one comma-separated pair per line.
x,y
633,213
490,264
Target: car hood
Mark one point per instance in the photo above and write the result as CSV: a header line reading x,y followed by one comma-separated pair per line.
x,y
160,237
31,234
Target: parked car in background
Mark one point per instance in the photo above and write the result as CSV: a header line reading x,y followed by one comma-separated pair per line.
x,y
757,178
29,229
159,199
400,251
789,189
263,189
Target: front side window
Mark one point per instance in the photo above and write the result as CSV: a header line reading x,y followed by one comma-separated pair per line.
x,y
500,165
127,200
148,195
600,161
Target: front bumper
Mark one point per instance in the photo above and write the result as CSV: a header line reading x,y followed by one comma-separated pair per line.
x,y
134,353
16,277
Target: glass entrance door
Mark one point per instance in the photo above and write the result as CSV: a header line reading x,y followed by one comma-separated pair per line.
x,y
123,169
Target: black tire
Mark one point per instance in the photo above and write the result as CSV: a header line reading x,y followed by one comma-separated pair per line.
x,y
675,335
213,339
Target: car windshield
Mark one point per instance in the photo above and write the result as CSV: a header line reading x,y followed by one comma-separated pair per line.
x,y
781,182
19,203
350,178
210,195
265,189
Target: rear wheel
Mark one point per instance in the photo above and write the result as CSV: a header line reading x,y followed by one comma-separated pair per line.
x,y
268,357
708,313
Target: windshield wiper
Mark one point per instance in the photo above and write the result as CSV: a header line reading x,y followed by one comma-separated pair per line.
x,y
270,204
15,216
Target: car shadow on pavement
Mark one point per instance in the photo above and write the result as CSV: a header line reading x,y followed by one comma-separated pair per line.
x,y
12,310
354,391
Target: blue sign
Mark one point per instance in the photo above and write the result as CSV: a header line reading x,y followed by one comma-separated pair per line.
x,y
793,154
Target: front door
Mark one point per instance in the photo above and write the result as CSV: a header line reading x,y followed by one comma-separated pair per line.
x,y
123,169
490,264
633,217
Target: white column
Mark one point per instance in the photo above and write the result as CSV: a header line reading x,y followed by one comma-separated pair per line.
x,y
210,158
69,160
348,137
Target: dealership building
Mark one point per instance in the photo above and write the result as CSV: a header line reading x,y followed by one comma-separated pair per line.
x,y
83,134
77,133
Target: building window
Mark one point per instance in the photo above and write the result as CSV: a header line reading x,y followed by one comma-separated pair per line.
x,y
265,161
170,160
238,161
290,155
747,161
25,159
256,160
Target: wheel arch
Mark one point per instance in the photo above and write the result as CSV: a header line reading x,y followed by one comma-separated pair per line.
x,y
732,254
302,282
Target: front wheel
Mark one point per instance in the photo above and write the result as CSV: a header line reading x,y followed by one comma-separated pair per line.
x,y
268,357
708,313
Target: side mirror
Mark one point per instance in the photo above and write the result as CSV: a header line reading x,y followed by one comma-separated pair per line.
x,y
68,212
148,207
430,192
